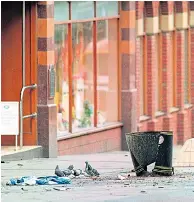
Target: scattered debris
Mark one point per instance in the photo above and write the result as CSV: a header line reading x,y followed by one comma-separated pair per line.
x,y
94,177
120,177
48,180
61,188
2,161
23,189
160,187
143,191
19,164
48,189
126,155
155,183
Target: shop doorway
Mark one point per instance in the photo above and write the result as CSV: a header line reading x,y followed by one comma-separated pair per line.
x,y
11,64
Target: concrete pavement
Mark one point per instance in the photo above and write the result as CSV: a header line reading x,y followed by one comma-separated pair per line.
x,y
179,187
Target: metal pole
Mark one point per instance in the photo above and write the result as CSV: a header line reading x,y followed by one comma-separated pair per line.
x,y
16,142
21,124
23,74
23,46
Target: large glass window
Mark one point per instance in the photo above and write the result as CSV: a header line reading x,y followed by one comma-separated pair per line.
x,y
107,67
83,103
62,82
61,11
82,10
106,8
86,60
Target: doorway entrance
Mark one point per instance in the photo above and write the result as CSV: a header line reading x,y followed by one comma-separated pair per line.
x,y
11,65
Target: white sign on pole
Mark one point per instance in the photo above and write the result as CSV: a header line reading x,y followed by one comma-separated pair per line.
x,y
9,118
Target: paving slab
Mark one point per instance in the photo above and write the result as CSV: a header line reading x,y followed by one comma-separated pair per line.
x,y
106,188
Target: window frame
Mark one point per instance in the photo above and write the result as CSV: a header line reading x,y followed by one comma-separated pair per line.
x,y
70,60
143,37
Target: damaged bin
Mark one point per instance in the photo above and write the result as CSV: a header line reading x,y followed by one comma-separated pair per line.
x,y
149,147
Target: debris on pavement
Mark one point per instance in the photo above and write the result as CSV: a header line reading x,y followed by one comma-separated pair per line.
x,y
61,188
23,189
32,180
120,177
155,183
19,164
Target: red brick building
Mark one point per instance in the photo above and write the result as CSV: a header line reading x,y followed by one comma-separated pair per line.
x,y
164,66
119,67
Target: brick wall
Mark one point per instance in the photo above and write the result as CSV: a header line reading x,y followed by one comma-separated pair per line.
x,y
175,115
105,141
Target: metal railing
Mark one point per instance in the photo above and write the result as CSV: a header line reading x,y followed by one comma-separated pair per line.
x,y
33,115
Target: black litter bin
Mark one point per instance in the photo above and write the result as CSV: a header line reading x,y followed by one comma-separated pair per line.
x,y
149,147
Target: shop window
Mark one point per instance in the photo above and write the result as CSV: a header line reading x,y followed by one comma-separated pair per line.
x,y
82,10
61,11
186,72
107,67
86,53
62,87
106,8
82,76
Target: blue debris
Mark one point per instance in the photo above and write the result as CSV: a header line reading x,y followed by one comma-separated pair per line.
x,y
47,180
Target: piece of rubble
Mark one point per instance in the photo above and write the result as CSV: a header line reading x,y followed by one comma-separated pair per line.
x,y
23,189
120,177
